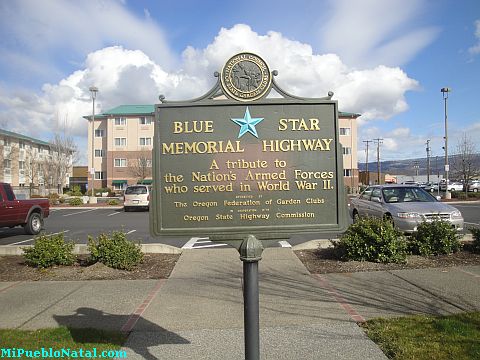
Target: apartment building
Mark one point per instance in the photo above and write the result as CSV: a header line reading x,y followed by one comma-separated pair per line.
x,y
349,139
122,146
30,162
123,140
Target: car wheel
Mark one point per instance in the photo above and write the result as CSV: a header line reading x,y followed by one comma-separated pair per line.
x,y
34,224
388,218
356,217
475,190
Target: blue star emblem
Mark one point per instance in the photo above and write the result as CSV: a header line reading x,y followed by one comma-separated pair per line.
x,y
247,124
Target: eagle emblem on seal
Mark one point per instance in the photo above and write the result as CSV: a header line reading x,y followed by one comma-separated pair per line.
x,y
246,77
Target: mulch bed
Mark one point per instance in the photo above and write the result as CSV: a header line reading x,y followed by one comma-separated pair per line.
x,y
154,266
322,261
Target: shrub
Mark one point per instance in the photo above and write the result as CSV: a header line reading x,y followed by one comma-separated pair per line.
x,y
372,239
112,202
53,198
435,238
76,191
75,201
476,239
115,250
50,250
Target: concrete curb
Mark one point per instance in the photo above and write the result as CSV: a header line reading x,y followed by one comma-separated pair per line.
x,y
81,249
315,244
328,243
113,207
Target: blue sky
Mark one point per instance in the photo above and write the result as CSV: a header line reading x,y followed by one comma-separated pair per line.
x,y
385,59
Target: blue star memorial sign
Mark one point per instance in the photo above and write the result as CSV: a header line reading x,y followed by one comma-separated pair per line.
x,y
247,124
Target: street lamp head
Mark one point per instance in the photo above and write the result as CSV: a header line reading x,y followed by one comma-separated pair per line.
x,y
445,91
93,90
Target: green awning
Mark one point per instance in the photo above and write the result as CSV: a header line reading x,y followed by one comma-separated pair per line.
x,y
145,181
119,182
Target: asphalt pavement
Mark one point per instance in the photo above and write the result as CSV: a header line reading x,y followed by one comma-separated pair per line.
x,y
198,312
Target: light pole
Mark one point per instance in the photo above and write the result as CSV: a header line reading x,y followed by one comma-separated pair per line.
x,y
428,160
445,92
93,92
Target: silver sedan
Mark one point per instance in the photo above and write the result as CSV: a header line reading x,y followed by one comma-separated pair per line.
x,y
406,206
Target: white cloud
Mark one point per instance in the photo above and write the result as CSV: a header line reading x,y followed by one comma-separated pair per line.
x,y
43,31
475,49
131,76
373,32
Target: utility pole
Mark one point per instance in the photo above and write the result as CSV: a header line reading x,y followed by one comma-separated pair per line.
x,y
428,160
368,174
415,166
445,92
379,142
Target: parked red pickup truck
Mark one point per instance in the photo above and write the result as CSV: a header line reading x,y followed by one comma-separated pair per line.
x,y
27,213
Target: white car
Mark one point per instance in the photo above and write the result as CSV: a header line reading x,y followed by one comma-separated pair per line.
x,y
136,196
456,186
452,186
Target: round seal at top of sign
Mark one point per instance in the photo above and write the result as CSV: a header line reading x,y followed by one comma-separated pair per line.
x,y
246,77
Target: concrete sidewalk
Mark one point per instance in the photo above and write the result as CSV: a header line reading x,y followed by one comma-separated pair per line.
x,y
198,312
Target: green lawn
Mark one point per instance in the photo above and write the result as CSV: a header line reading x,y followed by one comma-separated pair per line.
x,y
74,340
428,337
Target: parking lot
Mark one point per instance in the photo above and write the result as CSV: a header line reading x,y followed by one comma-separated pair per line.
x,y
78,224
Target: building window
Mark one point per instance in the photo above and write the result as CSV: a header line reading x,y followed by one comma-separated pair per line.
x,y
99,133
347,172
345,131
99,175
21,144
347,151
120,163
118,187
21,165
145,120
149,163
7,164
99,153
120,141
120,121
145,141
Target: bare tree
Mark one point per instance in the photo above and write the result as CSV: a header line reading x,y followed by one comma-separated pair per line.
x,y
466,161
63,154
141,166
33,166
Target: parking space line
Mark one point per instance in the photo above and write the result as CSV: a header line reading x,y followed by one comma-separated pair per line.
x,y
80,212
131,231
208,246
190,243
115,213
285,244
469,223
21,242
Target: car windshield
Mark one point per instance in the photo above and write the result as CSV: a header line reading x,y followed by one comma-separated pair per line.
x,y
136,190
406,194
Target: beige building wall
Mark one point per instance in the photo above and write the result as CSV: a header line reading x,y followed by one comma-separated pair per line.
x,y
21,160
349,140
121,141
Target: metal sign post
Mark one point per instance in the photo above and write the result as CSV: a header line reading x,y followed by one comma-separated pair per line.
x,y
242,168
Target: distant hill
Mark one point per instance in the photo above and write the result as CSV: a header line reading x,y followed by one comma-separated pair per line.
x,y
406,167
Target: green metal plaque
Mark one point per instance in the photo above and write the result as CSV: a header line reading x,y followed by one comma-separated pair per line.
x,y
266,167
